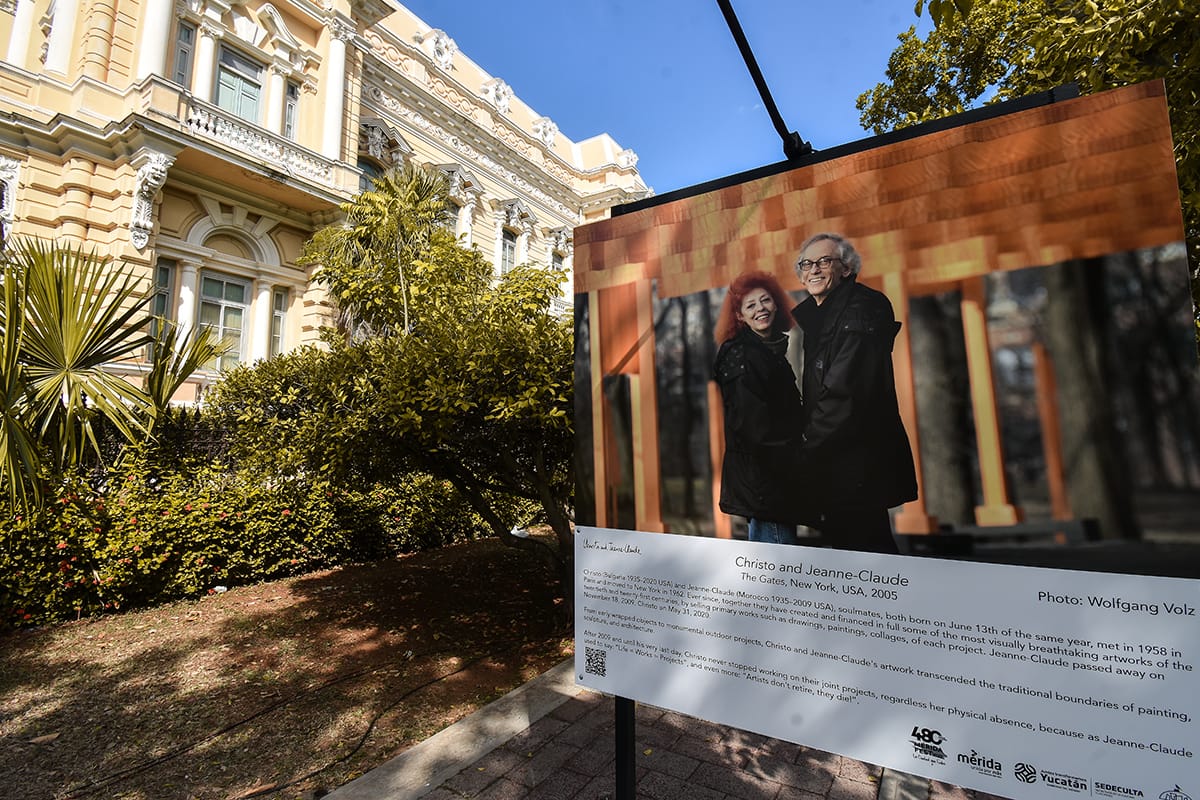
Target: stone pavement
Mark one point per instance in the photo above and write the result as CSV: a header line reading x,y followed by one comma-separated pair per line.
x,y
552,740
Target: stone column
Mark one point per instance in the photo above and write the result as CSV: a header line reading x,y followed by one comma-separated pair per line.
x,y
260,339
97,43
189,287
152,46
464,227
62,36
498,243
276,93
22,34
335,88
206,61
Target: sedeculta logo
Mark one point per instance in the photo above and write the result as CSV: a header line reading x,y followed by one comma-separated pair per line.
x,y
1102,789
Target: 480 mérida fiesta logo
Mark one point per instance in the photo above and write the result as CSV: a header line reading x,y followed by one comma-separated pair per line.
x,y
927,743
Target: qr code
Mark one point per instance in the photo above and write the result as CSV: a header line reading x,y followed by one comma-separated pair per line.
x,y
595,660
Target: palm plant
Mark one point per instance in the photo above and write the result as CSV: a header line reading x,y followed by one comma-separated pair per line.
x,y
67,317
176,358
387,230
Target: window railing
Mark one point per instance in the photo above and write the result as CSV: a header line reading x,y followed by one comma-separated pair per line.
x,y
210,122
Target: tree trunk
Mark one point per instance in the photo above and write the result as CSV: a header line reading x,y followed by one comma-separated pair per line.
x,y
1097,485
935,335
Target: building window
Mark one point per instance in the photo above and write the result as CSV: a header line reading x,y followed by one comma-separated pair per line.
x,y
556,260
224,310
239,84
160,301
453,215
370,171
508,250
291,106
185,44
279,304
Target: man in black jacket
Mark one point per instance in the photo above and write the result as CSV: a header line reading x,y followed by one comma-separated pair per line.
x,y
855,458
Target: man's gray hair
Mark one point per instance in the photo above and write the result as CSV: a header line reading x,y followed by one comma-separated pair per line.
x,y
845,250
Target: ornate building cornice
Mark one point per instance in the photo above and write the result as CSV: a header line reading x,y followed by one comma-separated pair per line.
x,y
404,57
457,145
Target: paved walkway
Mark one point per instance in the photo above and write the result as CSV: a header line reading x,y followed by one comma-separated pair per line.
x,y
552,740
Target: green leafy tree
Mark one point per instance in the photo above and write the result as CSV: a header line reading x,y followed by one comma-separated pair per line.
x,y
465,378
67,317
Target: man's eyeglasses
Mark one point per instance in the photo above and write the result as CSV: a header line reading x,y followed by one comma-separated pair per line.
x,y
824,262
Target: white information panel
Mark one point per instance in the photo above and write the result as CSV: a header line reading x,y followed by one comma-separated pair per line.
x,y
1020,681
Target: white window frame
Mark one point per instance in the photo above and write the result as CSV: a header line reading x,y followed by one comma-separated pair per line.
x,y
239,87
280,300
291,110
161,299
508,249
223,305
185,50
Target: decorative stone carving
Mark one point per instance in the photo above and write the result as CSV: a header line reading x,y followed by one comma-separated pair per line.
x,y
515,215
45,25
211,29
8,193
627,158
150,178
545,129
382,143
440,47
498,93
340,29
273,21
246,27
464,189
561,240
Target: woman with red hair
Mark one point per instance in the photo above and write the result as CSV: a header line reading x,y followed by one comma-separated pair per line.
x,y
762,407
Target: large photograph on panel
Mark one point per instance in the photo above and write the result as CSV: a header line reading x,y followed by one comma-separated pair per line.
x,y
1045,367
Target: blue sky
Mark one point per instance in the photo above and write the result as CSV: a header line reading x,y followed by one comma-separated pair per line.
x,y
665,78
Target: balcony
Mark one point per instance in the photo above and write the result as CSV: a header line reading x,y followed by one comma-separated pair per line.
x,y
207,121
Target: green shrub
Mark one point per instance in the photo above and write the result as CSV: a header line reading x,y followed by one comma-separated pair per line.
x,y
148,536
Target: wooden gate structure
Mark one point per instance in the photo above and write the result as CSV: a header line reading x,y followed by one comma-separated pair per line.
x,y
1073,179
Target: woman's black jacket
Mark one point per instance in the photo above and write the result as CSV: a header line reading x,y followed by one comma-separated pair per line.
x,y
762,428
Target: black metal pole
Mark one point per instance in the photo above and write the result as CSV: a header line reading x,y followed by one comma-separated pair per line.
x,y
793,145
626,749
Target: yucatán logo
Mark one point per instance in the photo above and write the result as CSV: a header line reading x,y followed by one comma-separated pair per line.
x,y
927,745
1026,773
985,765
1174,794
1060,780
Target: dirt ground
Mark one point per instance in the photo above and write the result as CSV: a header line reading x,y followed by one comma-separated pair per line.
x,y
281,690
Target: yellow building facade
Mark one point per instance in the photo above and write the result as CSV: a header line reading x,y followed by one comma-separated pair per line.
x,y
205,141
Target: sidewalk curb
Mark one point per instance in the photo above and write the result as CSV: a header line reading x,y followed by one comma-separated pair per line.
x,y
425,766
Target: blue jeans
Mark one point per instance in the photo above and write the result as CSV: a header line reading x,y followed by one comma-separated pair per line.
x,y
762,530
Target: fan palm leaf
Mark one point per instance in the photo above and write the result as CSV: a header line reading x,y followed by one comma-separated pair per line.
x,y
81,315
